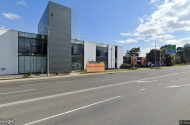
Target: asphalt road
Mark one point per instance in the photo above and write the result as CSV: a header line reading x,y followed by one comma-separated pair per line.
x,y
150,97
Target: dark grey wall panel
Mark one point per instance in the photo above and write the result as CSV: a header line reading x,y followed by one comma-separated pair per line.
x,y
59,38
58,18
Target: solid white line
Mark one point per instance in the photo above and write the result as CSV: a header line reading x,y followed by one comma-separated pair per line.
x,y
17,92
79,91
72,111
35,84
176,86
142,89
147,81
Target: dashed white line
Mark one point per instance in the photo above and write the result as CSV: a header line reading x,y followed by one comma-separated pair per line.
x,y
176,86
160,84
35,84
17,92
142,89
72,111
147,81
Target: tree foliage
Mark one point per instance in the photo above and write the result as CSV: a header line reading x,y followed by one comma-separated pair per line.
x,y
170,60
151,56
133,51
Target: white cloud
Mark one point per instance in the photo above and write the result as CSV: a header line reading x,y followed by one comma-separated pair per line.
x,y
154,1
144,51
140,38
179,42
141,20
11,16
160,37
128,41
171,16
22,2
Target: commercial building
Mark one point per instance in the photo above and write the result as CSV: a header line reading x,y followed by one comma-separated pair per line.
x,y
52,48
83,51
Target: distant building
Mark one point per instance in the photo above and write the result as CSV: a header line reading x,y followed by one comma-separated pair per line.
x,y
187,45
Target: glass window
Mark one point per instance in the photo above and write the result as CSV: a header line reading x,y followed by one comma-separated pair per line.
x,y
33,46
77,49
44,66
33,35
21,64
39,64
27,35
39,46
44,47
21,45
27,45
27,64
33,64
21,34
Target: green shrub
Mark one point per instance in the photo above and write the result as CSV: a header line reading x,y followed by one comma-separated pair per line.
x,y
144,65
137,65
29,73
57,73
134,68
126,66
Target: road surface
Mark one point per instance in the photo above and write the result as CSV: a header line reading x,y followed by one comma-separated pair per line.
x,y
149,97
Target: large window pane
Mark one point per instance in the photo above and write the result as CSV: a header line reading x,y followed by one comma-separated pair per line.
x,y
33,46
27,45
21,45
39,64
44,47
27,64
39,46
33,64
44,65
21,64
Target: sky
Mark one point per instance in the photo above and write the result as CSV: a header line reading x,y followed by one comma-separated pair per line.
x,y
127,23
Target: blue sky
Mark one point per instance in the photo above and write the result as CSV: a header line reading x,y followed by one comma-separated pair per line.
x,y
127,23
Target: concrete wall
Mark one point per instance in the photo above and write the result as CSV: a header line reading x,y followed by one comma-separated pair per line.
x,y
119,56
89,52
8,51
111,56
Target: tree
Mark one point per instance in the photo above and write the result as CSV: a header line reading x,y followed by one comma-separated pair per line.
x,y
133,51
181,56
170,60
151,56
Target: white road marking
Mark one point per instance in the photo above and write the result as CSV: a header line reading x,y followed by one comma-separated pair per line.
x,y
172,80
147,81
81,108
17,92
109,79
160,84
35,84
84,90
142,89
176,86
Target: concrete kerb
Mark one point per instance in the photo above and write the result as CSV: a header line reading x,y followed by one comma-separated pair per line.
x,y
66,76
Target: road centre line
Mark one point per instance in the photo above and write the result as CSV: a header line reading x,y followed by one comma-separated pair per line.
x,y
176,86
79,91
35,84
17,92
81,108
142,89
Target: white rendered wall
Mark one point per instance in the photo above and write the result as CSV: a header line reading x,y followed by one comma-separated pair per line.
x,y
111,56
8,51
119,56
89,52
